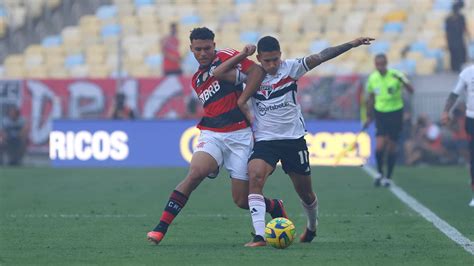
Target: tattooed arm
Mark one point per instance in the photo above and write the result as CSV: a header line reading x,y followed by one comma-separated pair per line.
x,y
329,53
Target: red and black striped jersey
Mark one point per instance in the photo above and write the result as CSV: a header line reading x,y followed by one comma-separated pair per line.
x,y
219,98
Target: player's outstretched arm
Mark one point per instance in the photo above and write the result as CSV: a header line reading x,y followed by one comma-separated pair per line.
x,y
255,74
329,53
226,71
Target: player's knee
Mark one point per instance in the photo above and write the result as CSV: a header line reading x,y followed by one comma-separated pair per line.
x,y
308,197
241,202
197,173
256,177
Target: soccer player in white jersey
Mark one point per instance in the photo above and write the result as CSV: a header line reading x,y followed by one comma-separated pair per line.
x,y
466,84
279,127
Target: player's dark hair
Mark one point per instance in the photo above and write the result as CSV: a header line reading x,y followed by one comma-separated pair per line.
x,y
268,44
201,34
381,55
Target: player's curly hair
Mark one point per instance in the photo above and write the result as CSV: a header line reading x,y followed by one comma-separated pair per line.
x,y
202,33
268,44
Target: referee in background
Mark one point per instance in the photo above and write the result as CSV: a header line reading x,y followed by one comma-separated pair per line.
x,y
465,83
385,105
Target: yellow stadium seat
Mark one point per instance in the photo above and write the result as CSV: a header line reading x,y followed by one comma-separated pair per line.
x,y
98,71
426,66
39,72
34,49
140,70
14,71
89,20
58,73
79,71
33,60
54,61
14,60
395,16
53,3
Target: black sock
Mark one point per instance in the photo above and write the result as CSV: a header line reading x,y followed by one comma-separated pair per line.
x,y
379,159
269,205
391,160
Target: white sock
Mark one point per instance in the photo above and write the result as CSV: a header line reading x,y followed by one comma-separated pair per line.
x,y
257,211
311,211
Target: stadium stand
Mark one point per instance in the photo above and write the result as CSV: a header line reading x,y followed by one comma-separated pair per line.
x,y
14,13
410,32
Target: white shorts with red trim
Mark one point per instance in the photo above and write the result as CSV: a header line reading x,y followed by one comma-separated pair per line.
x,y
230,149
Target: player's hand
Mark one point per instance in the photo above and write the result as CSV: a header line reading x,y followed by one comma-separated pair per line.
x,y
249,49
444,118
362,41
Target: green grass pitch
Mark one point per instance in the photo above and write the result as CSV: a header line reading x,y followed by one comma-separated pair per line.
x,y
101,216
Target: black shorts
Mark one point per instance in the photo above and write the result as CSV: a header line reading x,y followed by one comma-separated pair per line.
x,y
469,126
293,154
389,124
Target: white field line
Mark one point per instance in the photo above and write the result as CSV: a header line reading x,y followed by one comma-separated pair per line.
x,y
217,215
426,213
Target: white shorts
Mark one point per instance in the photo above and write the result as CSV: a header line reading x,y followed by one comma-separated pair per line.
x,y
231,149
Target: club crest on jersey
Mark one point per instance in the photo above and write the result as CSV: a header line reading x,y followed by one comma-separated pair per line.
x,y
266,91
201,145
202,78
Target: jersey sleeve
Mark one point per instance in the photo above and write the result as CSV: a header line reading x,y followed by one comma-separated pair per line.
x,y
402,76
297,67
240,77
462,83
225,54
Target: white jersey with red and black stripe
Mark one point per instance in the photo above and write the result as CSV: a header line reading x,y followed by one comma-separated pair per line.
x,y
219,98
277,113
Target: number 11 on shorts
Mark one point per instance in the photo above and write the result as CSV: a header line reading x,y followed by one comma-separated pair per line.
x,y
304,156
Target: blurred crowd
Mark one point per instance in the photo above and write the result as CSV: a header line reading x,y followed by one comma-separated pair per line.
x,y
431,142
13,137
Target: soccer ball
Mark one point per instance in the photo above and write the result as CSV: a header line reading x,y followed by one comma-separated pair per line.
x,y
280,232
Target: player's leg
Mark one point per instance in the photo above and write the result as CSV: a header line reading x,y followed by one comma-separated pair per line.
x,y
380,144
469,126
261,164
295,162
240,193
471,165
309,202
205,160
391,160
394,129
259,170
201,165
380,139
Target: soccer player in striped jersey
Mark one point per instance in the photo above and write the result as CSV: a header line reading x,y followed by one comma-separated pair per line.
x,y
226,138
279,127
